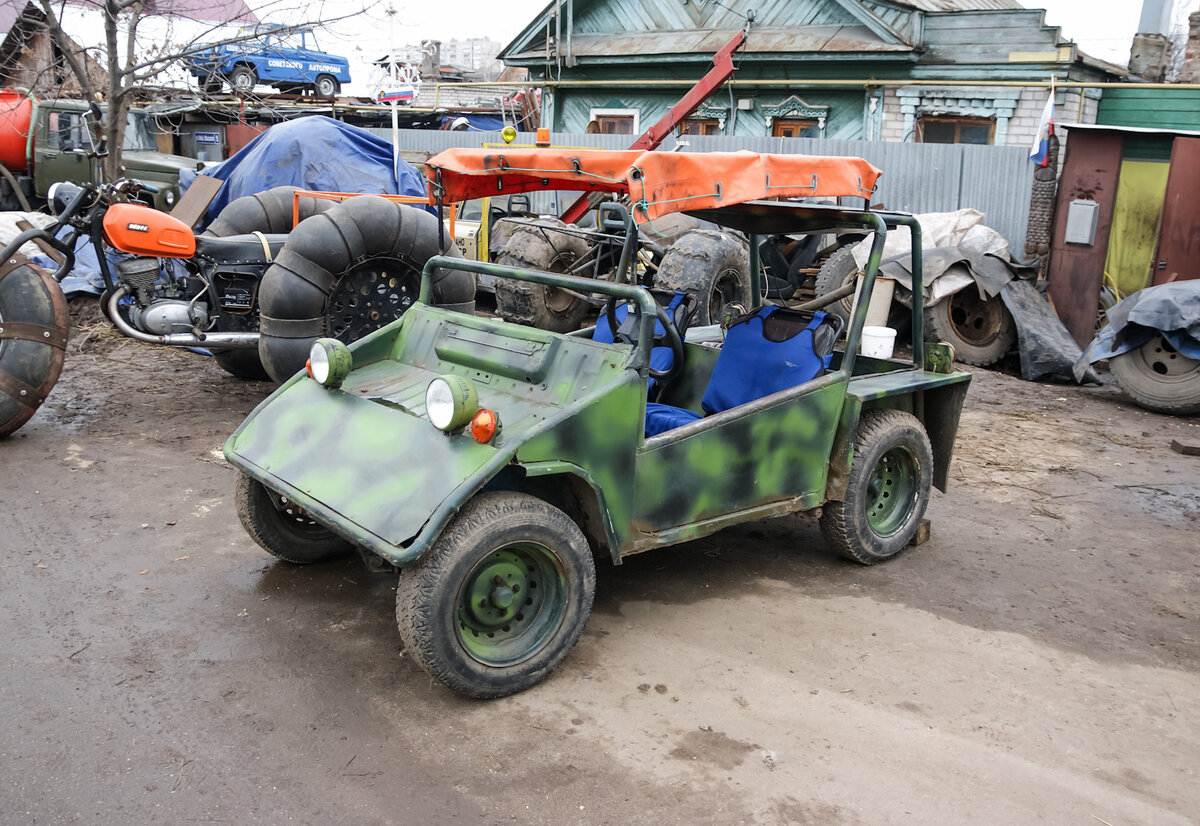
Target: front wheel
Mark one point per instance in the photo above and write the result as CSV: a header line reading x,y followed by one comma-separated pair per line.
x,y
547,246
501,597
281,528
243,80
714,266
888,489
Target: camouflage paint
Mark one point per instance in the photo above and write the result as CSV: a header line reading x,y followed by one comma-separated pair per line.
x,y
365,461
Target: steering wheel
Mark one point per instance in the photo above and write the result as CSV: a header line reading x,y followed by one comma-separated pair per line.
x,y
626,333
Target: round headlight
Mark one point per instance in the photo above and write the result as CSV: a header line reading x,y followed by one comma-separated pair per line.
x,y
329,362
508,134
450,402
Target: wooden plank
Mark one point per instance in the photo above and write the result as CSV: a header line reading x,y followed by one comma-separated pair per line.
x,y
195,201
53,254
1186,450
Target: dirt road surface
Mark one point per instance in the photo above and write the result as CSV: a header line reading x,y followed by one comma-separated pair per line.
x,y
1035,662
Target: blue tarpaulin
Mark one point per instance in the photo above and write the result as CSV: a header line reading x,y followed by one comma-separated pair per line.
x,y
317,153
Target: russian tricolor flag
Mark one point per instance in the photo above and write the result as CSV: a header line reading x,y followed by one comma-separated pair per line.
x,y
1039,150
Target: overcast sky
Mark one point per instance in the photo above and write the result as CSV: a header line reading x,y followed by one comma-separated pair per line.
x,y
1102,28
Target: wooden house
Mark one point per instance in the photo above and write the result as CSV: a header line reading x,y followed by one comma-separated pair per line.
x,y
898,70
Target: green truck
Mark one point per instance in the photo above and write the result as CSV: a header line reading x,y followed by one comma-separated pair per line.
x,y
44,142
493,463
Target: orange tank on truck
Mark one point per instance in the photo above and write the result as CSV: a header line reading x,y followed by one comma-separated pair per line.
x,y
43,142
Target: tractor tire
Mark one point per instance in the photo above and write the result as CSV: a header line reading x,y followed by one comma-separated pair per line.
x,y
350,271
34,320
838,270
714,266
1158,377
546,247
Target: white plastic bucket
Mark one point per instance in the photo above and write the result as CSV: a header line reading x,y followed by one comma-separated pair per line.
x,y
877,342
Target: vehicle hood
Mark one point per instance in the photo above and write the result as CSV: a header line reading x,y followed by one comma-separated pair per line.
x,y
374,469
141,160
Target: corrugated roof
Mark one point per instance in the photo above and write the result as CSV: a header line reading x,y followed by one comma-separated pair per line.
x,y
962,5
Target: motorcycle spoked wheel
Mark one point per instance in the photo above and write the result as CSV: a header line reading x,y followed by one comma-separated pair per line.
x,y
34,320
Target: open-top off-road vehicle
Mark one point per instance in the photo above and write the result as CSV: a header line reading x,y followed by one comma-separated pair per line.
x,y
492,462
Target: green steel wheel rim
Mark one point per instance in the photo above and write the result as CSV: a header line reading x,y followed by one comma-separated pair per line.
x,y
511,604
892,490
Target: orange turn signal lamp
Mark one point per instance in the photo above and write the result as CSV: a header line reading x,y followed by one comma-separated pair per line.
x,y
485,425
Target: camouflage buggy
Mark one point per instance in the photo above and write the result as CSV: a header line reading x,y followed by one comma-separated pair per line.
x,y
493,462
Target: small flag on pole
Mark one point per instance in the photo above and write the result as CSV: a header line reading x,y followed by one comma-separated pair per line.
x,y
1039,150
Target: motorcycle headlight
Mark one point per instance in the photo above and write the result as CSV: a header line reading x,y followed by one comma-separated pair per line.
x,y
329,362
60,196
450,402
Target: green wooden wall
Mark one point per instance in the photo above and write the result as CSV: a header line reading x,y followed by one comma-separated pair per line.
x,y
1151,108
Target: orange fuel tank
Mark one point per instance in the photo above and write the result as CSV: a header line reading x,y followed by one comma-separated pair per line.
x,y
16,113
144,231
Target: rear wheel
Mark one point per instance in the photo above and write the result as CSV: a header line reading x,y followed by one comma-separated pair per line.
x,y
501,597
1158,377
713,266
888,490
981,328
282,528
548,247
326,86
210,84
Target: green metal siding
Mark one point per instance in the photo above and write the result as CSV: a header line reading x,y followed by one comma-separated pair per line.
x,y
1154,108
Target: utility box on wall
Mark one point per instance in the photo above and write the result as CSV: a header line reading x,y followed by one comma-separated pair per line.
x,y
203,141
1082,218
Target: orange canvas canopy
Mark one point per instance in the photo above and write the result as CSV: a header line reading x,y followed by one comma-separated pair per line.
x,y
657,183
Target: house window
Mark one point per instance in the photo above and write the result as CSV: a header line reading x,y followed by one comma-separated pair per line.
x,y
615,121
701,126
956,130
794,128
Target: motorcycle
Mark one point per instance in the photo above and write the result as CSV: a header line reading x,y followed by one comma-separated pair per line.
x,y
255,299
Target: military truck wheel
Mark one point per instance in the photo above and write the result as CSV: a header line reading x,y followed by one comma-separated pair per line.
x,y
544,246
501,597
243,79
244,364
33,339
281,528
888,489
838,270
326,86
1158,377
981,329
712,265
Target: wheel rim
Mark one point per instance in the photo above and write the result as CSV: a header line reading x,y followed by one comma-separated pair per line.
x,y
296,518
242,82
977,321
726,289
1159,360
325,87
511,604
369,296
892,490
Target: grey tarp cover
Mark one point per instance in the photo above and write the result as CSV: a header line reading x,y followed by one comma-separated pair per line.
x,y
1172,309
1046,347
